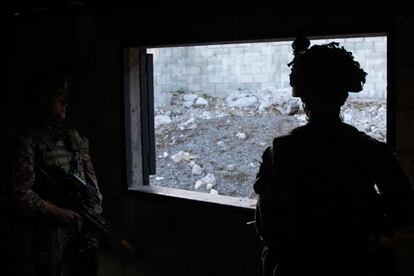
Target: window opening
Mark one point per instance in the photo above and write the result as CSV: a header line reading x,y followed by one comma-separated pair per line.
x,y
217,107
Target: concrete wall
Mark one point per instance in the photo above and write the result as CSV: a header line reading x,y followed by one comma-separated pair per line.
x,y
220,69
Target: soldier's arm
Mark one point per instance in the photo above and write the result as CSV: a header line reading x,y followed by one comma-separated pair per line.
x,y
23,179
267,214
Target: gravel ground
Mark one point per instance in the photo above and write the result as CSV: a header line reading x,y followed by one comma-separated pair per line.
x,y
228,142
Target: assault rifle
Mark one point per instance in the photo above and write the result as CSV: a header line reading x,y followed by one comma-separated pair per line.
x,y
74,193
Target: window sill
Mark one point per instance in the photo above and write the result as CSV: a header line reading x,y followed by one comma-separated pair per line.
x,y
198,196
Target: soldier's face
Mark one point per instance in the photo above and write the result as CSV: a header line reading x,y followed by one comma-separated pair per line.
x,y
58,108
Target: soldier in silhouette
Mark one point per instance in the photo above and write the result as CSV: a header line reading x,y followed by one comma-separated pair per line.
x,y
328,192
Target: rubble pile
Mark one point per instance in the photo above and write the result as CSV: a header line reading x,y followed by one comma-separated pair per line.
x,y
214,145
369,116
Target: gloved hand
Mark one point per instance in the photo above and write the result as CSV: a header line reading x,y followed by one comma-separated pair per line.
x,y
62,215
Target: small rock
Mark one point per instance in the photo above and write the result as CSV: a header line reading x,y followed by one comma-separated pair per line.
x,y
189,124
165,154
197,170
192,163
209,186
201,102
190,98
230,167
208,182
243,102
241,135
182,155
157,178
189,121
240,99
160,120
188,104
213,192
198,184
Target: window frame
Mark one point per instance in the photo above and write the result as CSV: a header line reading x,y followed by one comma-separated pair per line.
x,y
132,187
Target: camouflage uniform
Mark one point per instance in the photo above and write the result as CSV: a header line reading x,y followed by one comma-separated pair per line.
x,y
318,208
52,246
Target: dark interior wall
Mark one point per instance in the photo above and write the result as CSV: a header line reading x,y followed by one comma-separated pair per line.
x,y
184,237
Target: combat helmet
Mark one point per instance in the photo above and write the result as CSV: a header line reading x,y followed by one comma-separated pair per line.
x,y
323,70
45,86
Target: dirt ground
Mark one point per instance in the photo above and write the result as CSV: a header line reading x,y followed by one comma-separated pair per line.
x,y
214,145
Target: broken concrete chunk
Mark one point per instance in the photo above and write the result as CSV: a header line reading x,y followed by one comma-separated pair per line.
x,y
243,102
190,97
160,120
209,186
201,102
230,167
197,170
207,182
240,99
182,155
213,192
241,135
188,104
189,124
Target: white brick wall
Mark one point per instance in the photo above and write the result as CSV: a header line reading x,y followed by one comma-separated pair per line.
x,y
214,69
